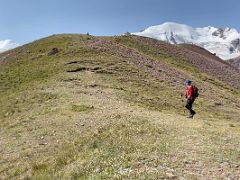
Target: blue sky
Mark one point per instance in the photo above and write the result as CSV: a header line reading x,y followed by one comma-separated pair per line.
x,y
27,20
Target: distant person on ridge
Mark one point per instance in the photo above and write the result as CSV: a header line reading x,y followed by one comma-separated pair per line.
x,y
190,94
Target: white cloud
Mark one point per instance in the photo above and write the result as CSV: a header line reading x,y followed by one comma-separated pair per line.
x,y
7,44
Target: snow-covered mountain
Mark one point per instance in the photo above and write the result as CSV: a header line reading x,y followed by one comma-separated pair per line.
x,y
224,42
7,44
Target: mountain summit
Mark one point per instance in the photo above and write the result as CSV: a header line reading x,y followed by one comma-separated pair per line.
x,y
225,42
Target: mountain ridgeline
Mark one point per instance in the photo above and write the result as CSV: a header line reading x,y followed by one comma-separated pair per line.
x,y
80,106
224,42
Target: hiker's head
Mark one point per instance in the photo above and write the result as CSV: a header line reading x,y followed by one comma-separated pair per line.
x,y
188,82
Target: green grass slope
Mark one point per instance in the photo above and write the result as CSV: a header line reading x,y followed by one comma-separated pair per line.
x,y
111,108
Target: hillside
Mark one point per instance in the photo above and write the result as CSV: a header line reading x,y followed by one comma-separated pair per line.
x,y
235,62
84,107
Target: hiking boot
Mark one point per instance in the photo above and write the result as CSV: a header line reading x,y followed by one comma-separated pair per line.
x,y
193,113
190,116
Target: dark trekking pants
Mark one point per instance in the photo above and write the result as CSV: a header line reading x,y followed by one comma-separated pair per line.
x,y
189,106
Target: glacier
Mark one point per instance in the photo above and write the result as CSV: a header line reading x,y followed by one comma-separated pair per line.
x,y
224,42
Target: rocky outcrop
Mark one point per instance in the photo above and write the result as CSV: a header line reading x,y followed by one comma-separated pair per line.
x,y
53,51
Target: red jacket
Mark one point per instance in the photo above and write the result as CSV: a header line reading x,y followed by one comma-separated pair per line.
x,y
189,92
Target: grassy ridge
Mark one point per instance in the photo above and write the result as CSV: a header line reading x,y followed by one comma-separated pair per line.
x,y
91,111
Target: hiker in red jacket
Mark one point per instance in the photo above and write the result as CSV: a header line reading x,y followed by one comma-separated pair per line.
x,y
190,96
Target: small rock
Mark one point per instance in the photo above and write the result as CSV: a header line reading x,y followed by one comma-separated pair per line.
x,y
43,143
170,175
97,170
237,166
217,104
93,85
224,164
187,162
